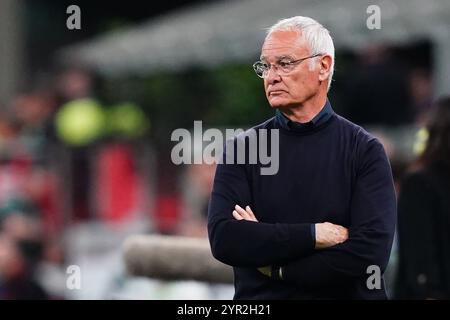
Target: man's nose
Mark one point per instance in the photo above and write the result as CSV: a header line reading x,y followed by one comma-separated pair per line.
x,y
272,76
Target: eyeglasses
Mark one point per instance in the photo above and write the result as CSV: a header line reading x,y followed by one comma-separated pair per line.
x,y
282,67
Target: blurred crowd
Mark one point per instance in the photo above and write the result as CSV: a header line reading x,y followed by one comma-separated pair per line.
x,y
30,220
58,146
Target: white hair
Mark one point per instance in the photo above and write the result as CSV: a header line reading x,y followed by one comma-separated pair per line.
x,y
315,34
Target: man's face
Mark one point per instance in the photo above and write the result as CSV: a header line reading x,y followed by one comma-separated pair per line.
x,y
299,85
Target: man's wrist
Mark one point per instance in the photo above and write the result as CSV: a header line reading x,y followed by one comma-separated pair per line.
x,y
280,273
313,234
277,273
273,272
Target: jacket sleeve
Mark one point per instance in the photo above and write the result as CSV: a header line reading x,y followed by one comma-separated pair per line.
x,y
246,243
372,225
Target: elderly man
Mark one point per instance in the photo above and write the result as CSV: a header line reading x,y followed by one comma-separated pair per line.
x,y
322,226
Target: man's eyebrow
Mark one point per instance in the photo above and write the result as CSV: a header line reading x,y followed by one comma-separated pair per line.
x,y
278,57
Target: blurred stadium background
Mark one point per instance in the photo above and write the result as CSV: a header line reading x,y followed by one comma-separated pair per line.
x,y
86,117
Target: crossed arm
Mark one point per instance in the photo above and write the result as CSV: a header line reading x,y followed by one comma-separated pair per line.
x,y
327,234
239,240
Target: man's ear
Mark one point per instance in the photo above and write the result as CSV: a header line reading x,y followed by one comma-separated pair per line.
x,y
325,67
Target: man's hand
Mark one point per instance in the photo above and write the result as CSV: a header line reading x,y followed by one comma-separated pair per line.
x,y
241,214
267,271
328,234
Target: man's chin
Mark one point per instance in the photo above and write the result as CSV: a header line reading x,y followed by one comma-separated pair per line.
x,y
277,105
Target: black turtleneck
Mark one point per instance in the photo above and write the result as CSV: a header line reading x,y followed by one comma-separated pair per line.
x,y
330,170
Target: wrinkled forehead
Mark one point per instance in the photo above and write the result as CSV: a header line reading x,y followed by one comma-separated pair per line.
x,y
284,43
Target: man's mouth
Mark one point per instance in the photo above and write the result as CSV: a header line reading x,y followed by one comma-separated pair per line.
x,y
276,92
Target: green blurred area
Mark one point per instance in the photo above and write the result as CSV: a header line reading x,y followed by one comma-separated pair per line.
x,y
226,96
